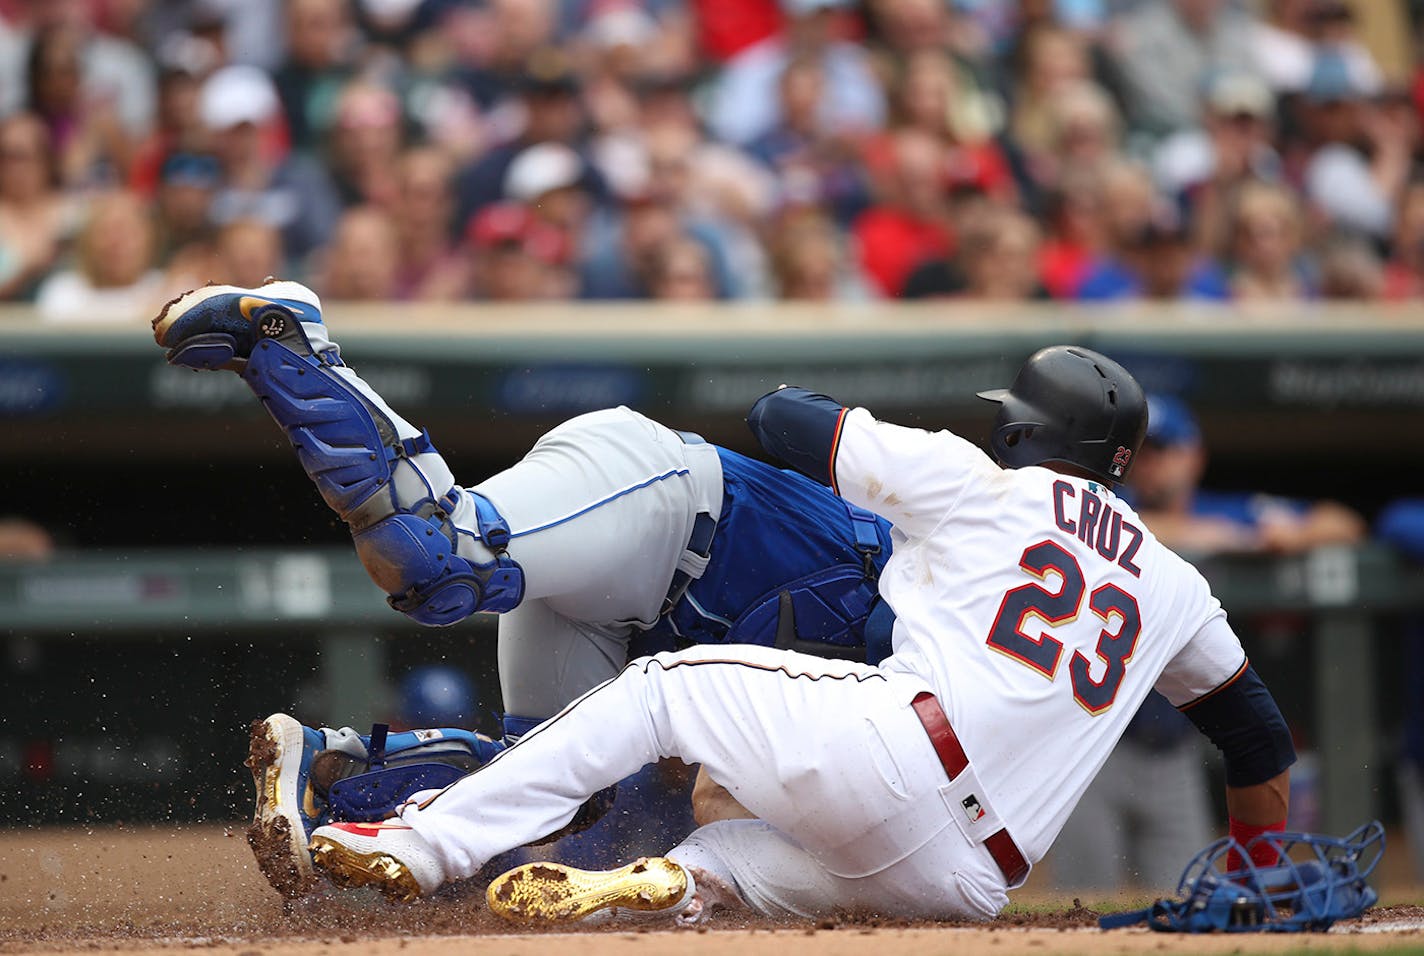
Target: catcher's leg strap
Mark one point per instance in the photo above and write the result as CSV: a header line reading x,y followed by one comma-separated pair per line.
x,y
516,726
437,550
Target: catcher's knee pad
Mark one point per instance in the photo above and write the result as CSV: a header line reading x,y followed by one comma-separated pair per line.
x,y
413,559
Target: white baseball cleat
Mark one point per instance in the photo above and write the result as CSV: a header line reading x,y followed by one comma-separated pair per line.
x,y
388,855
279,754
557,893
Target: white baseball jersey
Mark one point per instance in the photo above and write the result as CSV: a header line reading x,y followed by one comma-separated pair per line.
x,y
1036,605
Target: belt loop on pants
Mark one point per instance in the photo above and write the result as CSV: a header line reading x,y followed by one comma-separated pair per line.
x,y
951,754
699,542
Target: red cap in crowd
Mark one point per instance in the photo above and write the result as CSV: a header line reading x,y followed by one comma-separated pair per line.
x,y
506,224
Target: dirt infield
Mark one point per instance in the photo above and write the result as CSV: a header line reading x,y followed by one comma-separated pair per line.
x,y
139,890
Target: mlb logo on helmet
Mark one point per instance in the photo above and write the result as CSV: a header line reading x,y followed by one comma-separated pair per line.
x,y
972,808
1120,461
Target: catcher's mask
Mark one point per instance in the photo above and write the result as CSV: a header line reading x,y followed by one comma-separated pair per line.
x,y
1325,885
1073,405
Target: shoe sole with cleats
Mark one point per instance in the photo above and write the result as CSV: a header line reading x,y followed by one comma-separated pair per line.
x,y
276,834
351,868
556,893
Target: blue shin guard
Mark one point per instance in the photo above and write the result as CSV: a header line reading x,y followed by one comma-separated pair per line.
x,y
345,446
398,766
396,493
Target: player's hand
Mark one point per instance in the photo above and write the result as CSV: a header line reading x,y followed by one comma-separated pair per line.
x,y
1203,535
1283,535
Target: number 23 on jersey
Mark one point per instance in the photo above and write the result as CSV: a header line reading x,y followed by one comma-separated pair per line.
x,y
1043,653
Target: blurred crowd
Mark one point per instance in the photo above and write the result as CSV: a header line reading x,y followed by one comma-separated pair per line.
x,y
455,150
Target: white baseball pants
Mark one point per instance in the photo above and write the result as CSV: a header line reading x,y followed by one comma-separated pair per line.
x,y
850,794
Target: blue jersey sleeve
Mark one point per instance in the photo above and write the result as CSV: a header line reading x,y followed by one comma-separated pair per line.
x,y
801,428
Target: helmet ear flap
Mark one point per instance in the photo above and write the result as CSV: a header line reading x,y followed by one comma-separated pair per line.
x,y
1015,435
1019,429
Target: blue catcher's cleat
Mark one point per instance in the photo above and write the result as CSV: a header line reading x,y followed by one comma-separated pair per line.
x,y
279,754
217,326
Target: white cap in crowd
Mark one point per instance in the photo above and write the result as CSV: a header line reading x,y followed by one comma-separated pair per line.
x,y
540,169
235,95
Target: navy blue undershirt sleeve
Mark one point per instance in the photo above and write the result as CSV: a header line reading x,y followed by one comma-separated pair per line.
x,y
1242,719
801,428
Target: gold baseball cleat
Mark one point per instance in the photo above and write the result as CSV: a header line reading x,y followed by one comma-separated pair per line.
x,y
556,893
389,856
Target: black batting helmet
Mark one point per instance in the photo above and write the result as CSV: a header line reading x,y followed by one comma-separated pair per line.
x,y
1072,405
